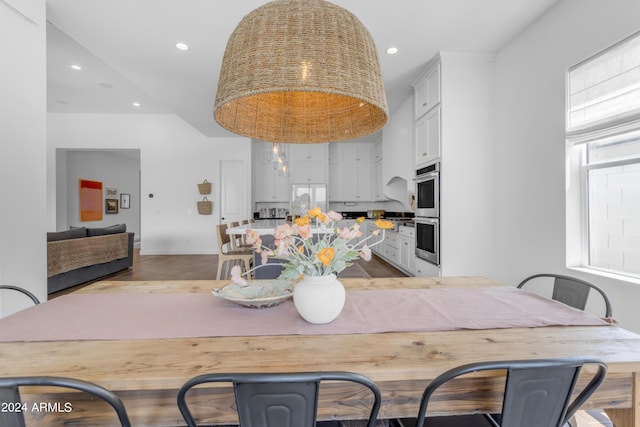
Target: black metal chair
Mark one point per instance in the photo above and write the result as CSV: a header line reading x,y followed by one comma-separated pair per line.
x,y
537,393
278,399
9,392
23,291
571,291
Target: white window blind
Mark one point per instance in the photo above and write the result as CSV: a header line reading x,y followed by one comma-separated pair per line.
x,y
604,90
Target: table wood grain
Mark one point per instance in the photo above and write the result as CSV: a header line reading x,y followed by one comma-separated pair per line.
x,y
148,373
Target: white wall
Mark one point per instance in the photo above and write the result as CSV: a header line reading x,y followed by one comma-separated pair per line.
x,y
467,163
22,151
529,220
117,169
174,158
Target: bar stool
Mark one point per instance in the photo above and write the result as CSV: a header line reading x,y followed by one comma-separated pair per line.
x,y
239,241
226,252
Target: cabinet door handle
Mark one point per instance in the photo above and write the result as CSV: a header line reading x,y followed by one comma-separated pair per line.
x,y
424,154
424,104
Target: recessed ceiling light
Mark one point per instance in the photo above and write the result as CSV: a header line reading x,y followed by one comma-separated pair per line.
x,y
135,104
392,50
76,67
182,46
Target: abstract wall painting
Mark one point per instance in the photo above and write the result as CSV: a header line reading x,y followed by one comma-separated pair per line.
x,y
90,200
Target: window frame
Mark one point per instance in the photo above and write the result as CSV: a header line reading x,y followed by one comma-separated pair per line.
x,y
578,141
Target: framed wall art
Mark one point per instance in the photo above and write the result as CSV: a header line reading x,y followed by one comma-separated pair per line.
x,y
111,206
112,192
90,200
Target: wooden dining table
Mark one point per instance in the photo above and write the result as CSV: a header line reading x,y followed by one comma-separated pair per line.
x,y
146,373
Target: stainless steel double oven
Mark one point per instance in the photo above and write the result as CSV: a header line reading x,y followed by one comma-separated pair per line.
x,y
427,218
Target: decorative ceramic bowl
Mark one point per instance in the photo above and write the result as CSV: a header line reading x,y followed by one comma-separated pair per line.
x,y
257,294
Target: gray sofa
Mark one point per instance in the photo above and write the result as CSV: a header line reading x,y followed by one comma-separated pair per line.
x,y
80,255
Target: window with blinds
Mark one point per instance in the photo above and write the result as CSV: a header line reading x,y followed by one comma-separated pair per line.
x,y
603,125
605,88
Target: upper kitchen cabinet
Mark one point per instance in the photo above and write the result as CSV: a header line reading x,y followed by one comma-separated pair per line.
x,y
427,89
269,185
427,98
309,152
427,134
309,163
352,172
351,152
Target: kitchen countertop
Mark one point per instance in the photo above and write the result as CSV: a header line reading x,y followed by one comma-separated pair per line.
x,y
266,227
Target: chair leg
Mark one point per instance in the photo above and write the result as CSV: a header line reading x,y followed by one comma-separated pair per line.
x,y
220,264
247,267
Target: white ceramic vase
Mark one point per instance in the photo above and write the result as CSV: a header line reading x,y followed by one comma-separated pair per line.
x,y
319,299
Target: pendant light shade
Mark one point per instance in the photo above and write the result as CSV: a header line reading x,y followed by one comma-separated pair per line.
x,y
301,71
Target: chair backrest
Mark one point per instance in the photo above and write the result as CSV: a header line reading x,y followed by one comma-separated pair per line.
x,y
572,291
537,393
278,399
23,291
9,392
223,238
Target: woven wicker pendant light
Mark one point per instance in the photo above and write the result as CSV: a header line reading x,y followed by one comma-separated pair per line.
x,y
301,71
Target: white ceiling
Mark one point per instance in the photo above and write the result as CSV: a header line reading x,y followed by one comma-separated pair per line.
x,y
127,48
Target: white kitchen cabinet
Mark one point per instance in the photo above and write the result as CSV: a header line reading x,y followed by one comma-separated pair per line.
x,y
309,163
427,135
378,184
391,248
427,90
309,173
270,185
406,244
352,172
370,228
357,182
355,153
459,133
377,151
335,183
426,269
309,152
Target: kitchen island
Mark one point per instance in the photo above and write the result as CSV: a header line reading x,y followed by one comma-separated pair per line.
x,y
266,227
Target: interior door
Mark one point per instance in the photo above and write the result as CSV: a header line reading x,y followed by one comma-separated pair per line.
x,y
233,191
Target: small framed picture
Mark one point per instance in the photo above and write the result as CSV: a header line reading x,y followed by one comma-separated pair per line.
x,y
112,192
125,201
111,206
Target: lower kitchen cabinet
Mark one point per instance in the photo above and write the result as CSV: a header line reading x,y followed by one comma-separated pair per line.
x,y
426,269
407,244
398,249
391,247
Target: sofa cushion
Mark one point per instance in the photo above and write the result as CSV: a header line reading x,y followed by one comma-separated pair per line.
x,y
113,229
74,233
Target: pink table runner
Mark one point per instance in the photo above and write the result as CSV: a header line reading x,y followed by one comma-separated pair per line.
x,y
158,316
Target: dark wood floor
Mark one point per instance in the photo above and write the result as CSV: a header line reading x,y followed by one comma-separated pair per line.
x,y
204,267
